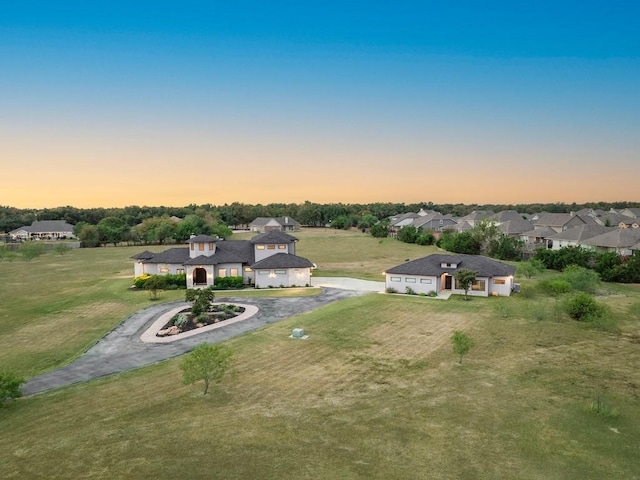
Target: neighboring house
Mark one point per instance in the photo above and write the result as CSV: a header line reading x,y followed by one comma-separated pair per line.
x,y
620,240
618,220
631,212
434,221
460,227
576,236
45,229
505,216
396,222
476,217
207,258
435,273
268,224
515,227
537,238
562,221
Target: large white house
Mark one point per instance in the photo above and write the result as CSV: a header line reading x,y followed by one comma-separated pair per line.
x,y
435,273
267,260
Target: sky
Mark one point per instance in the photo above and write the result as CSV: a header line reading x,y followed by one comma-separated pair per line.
x,y
109,104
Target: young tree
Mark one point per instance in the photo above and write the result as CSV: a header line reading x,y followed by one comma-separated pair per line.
x,y
200,300
462,343
9,387
155,283
209,363
464,279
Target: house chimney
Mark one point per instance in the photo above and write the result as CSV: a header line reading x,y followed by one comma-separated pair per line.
x,y
286,219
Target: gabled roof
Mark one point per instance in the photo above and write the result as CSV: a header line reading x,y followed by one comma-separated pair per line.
x,y
227,251
287,222
581,232
539,232
395,219
460,226
559,219
506,216
618,238
283,221
514,227
273,237
431,265
632,211
616,219
423,220
478,215
282,260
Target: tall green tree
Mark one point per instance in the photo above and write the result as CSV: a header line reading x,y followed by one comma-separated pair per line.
x,y
112,230
89,236
207,363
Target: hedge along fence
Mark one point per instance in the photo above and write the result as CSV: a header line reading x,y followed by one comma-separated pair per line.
x,y
173,281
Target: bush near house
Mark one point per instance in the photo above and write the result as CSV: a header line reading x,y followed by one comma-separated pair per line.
x,y
222,283
172,281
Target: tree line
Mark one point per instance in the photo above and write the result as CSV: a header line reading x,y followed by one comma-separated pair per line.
x,y
307,213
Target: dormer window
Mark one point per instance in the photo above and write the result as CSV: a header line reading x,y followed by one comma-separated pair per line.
x,y
201,246
259,247
271,247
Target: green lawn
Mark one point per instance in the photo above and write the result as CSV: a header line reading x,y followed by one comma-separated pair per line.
x,y
374,393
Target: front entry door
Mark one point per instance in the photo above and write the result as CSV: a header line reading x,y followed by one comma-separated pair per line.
x,y
199,276
447,282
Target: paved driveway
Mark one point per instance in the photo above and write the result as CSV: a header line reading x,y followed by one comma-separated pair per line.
x,y
121,349
346,283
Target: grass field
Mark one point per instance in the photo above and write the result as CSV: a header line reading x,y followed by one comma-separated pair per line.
x,y
375,392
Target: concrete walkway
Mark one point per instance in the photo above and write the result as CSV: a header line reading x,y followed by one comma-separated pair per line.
x,y
121,349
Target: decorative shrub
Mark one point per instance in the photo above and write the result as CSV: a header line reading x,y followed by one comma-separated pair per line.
x,y
179,320
391,290
224,283
179,280
139,282
410,291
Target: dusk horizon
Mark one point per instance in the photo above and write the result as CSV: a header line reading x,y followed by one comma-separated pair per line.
x,y
155,104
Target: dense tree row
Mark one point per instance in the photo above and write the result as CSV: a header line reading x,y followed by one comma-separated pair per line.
x,y
609,265
307,213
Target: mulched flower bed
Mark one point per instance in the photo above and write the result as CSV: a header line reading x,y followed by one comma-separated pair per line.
x,y
185,321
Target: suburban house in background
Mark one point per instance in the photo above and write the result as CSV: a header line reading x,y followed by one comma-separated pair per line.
x,y
435,273
266,260
268,224
562,221
44,229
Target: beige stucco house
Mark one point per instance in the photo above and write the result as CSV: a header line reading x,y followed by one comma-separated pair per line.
x,y
267,260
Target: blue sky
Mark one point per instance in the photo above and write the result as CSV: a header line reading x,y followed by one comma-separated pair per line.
x,y
321,101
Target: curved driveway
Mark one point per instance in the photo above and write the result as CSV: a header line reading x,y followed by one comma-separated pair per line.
x,y
121,349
